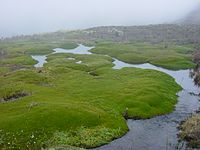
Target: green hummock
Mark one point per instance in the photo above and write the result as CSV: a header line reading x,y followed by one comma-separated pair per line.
x,y
83,104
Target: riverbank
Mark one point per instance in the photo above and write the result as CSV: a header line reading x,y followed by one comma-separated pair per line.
x,y
165,126
190,131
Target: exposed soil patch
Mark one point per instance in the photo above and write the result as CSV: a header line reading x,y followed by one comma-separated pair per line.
x,y
16,67
93,73
14,96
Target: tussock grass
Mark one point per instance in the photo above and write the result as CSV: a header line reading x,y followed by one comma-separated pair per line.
x,y
190,131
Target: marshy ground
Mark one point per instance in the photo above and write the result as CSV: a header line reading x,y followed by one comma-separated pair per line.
x,y
82,104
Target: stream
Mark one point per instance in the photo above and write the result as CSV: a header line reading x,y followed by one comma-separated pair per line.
x,y
158,133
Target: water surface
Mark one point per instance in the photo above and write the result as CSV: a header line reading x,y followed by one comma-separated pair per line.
x,y
41,59
81,49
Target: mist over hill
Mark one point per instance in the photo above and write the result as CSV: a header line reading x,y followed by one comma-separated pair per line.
x,y
193,17
167,33
19,17
132,24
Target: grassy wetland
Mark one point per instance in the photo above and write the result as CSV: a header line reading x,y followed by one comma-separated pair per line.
x,y
99,75
82,105
171,56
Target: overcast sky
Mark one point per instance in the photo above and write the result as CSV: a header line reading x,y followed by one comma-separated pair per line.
x,y
35,16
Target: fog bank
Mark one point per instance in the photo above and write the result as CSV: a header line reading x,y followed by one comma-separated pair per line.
x,y
35,16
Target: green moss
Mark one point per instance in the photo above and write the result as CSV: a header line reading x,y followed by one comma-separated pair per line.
x,y
4,70
16,55
172,57
85,137
82,104
65,97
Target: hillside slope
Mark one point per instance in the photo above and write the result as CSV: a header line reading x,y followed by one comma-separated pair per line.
x,y
193,17
173,33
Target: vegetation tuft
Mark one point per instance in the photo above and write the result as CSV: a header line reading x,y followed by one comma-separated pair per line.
x,y
190,131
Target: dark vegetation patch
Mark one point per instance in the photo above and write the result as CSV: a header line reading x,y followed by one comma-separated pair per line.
x,y
93,73
14,96
195,73
190,131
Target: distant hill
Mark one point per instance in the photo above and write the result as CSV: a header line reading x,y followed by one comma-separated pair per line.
x,y
193,17
181,34
173,33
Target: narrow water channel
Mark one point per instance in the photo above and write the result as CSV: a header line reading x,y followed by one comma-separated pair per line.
x,y
158,133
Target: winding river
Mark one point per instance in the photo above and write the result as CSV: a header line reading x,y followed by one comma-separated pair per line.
x,y
158,133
